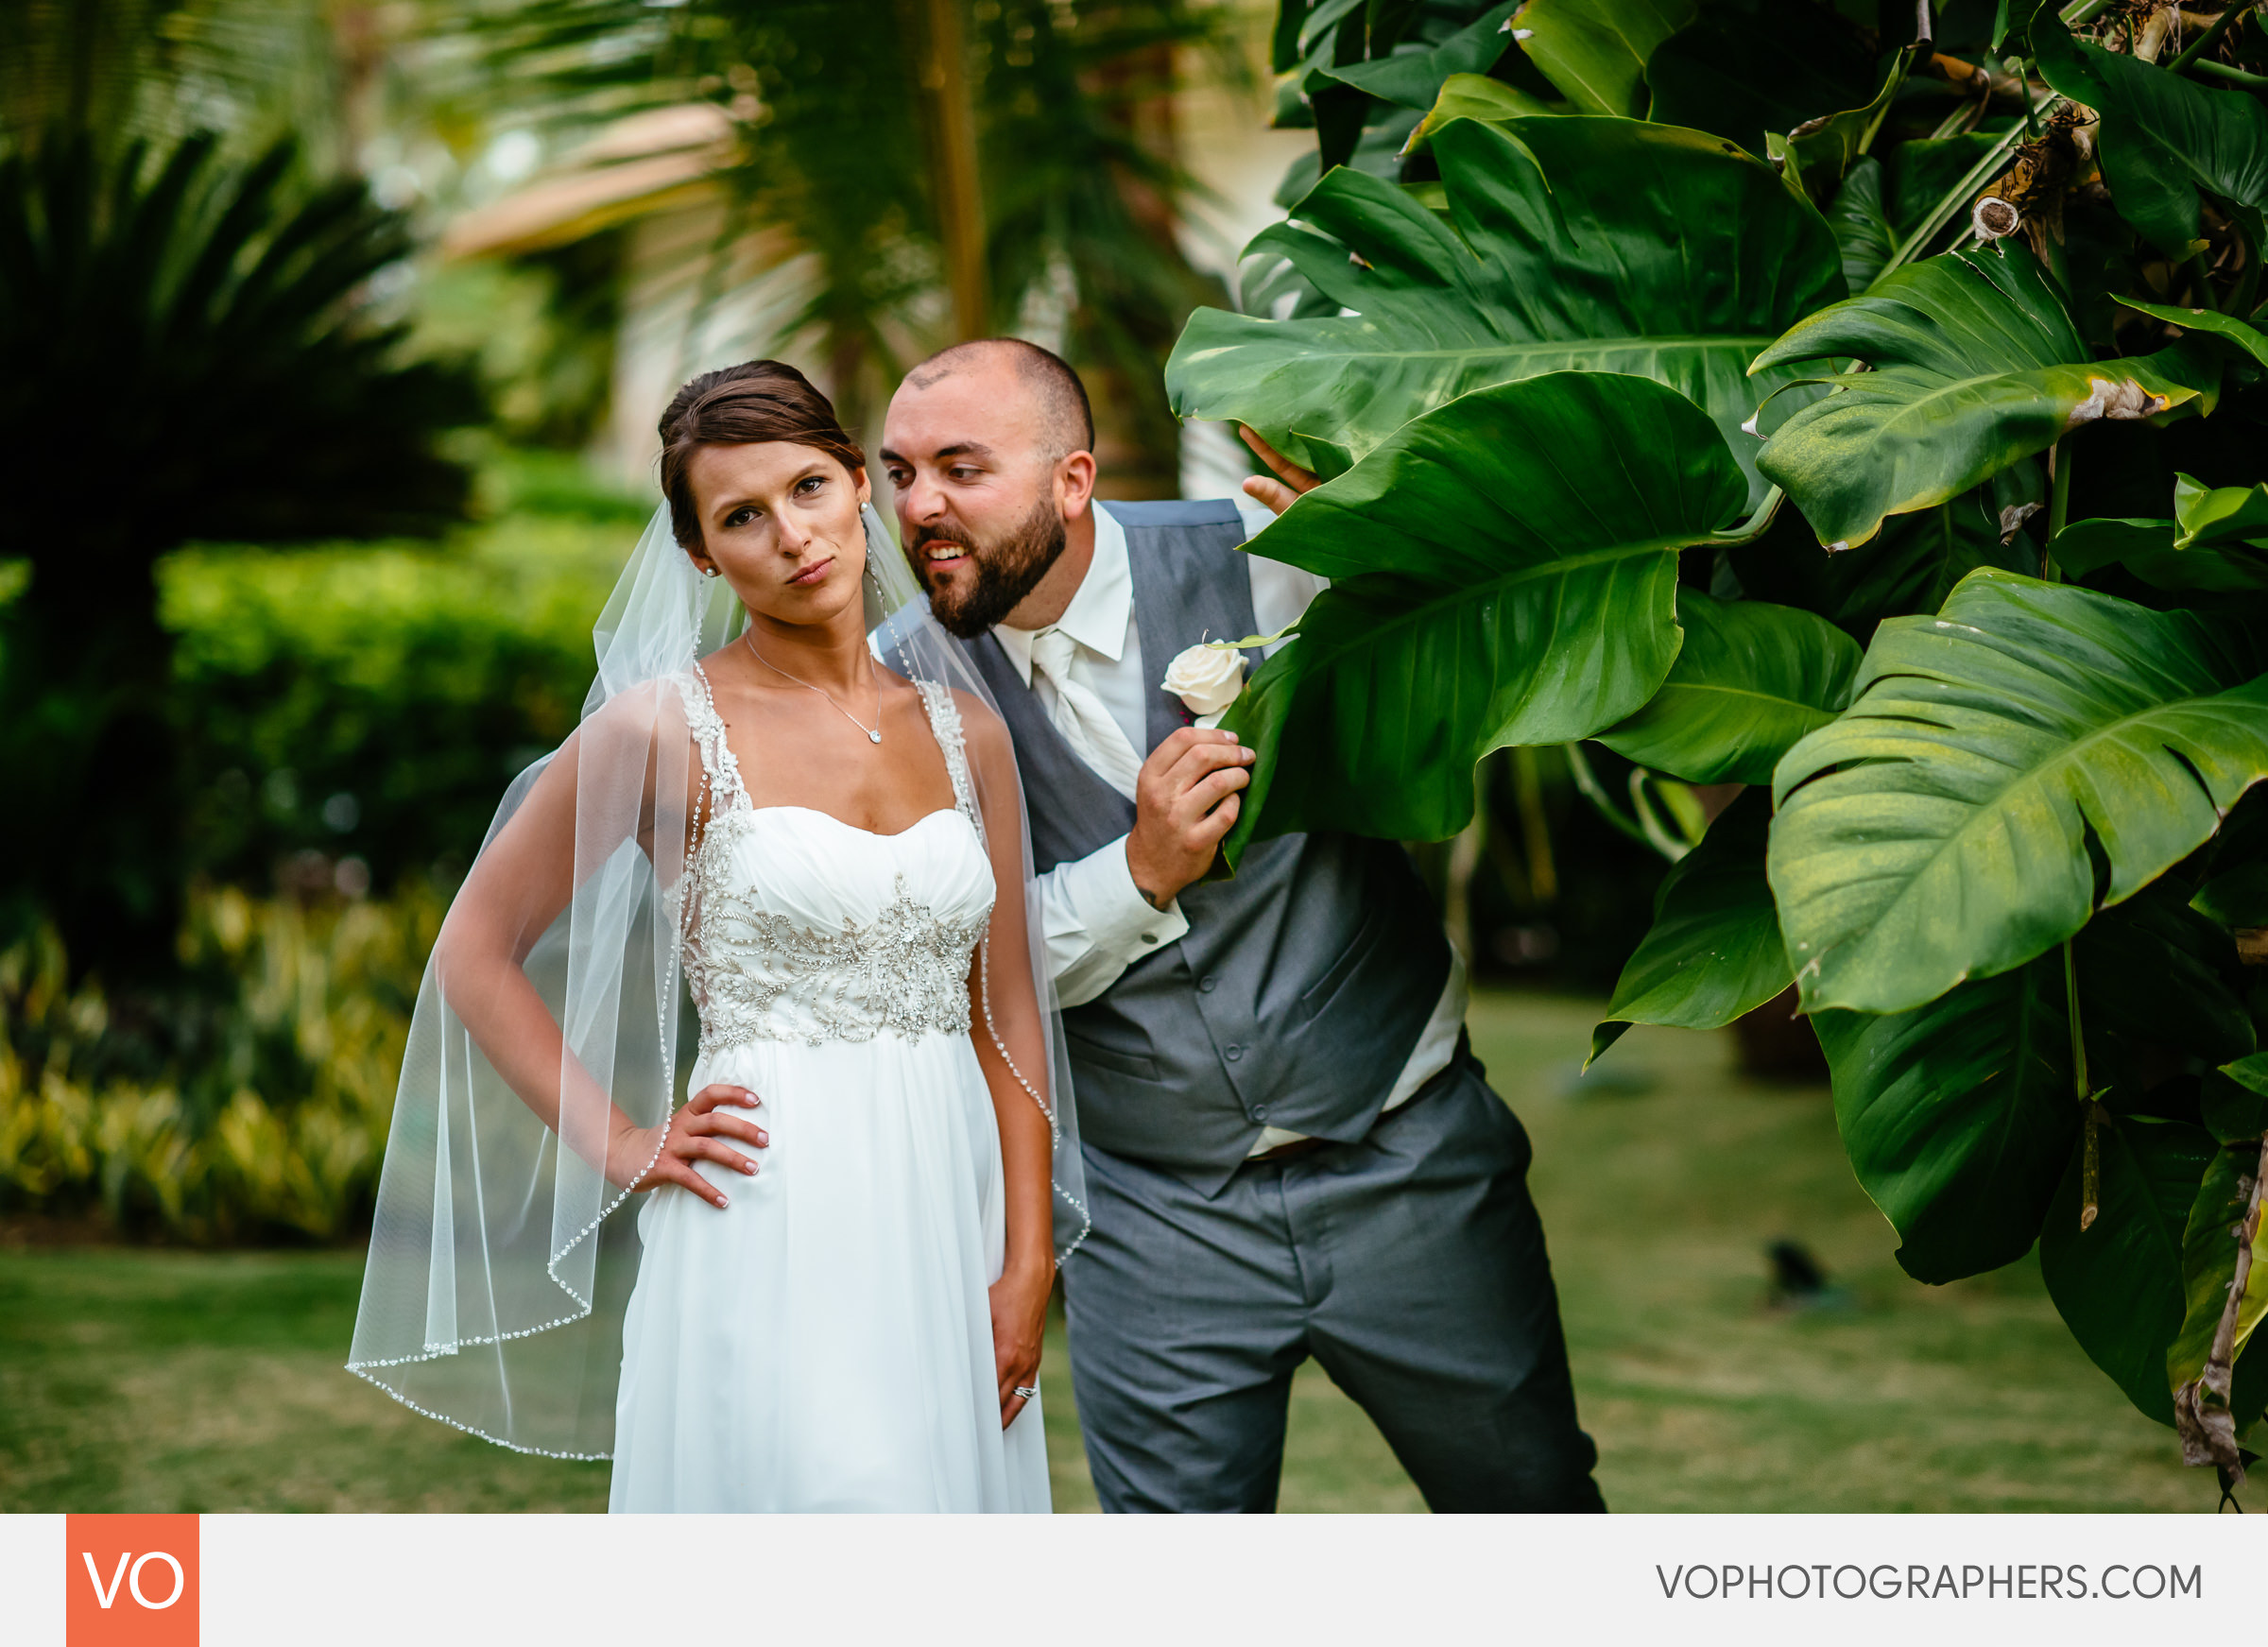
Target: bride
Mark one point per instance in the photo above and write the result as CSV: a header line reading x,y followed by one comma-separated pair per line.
x,y
790,790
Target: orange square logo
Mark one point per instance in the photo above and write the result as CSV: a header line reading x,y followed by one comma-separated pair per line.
x,y
129,1581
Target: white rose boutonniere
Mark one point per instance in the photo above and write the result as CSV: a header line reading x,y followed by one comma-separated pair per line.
x,y
1207,677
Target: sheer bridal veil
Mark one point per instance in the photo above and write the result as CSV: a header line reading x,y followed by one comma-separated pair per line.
x,y
500,1266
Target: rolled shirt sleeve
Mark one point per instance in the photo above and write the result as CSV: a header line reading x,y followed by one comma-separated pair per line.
x,y
1098,924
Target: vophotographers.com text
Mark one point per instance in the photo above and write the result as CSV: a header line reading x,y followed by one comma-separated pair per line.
x,y
1915,1581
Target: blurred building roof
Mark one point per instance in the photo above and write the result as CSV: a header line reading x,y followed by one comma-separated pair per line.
x,y
640,164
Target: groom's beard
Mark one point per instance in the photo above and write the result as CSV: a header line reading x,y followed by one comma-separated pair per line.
x,y
1000,574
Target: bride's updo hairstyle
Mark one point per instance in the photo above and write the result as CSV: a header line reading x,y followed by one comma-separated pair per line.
x,y
740,406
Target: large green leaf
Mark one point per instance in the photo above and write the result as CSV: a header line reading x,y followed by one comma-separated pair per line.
x,y
1976,366
1752,679
1478,98
1595,51
1505,573
1958,1116
1818,153
2245,334
1414,76
2234,890
2162,138
2153,969
2216,517
2146,548
1713,951
2234,1101
2208,1265
1862,233
1577,243
2118,1282
1943,828
2218,539
1911,565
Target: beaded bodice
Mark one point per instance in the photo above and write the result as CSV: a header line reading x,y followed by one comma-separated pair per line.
x,y
797,926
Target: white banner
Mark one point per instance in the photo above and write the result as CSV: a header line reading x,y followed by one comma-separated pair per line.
x,y
383,1580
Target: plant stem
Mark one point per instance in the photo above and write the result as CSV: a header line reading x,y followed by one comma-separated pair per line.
x,y
1971,180
1534,828
2205,41
1955,122
2201,1407
1657,834
2090,1158
1593,791
2200,273
2234,76
2059,509
1756,526
2086,11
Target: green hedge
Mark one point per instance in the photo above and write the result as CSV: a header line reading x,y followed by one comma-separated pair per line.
x,y
372,703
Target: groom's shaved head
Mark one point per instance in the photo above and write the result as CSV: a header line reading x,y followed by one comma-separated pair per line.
x,y
1066,421
989,449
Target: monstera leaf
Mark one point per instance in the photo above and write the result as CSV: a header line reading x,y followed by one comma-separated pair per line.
x,y
1942,828
1595,51
2162,138
1976,366
1598,245
1713,951
1504,572
1752,679
2118,1283
1958,1116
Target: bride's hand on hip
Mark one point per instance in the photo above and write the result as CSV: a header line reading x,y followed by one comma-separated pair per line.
x,y
695,1133
1018,1324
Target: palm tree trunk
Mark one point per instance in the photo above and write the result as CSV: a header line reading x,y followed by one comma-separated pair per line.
x,y
957,187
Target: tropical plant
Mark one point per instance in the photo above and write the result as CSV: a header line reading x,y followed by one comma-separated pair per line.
x,y
934,170
1870,414
192,354
273,1124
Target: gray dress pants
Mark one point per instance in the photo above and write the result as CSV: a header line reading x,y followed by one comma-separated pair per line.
x,y
1411,1264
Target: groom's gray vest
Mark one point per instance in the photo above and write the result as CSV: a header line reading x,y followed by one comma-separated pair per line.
x,y
1301,985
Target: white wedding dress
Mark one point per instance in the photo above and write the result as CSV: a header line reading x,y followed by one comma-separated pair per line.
x,y
824,1342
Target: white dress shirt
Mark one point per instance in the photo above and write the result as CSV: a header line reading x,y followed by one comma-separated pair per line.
x,y
1097,923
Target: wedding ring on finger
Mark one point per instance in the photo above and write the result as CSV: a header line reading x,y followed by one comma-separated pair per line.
x,y
1027,1391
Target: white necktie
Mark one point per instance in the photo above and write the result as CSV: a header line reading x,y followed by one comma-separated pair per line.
x,y
1087,725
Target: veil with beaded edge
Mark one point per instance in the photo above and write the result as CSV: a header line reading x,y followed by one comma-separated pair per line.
x,y
497,1280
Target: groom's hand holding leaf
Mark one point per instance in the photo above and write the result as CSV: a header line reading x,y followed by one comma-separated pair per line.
x,y
1281,492
1185,800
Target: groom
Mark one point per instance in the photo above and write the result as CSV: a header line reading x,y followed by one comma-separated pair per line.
x,y
1290,1150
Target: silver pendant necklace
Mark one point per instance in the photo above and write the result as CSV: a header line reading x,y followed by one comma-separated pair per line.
x,y
873,733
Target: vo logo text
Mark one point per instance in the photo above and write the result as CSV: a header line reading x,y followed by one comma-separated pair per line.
x,y
131,1581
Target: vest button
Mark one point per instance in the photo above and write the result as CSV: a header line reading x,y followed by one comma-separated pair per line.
x,y
1232,1053
1208,983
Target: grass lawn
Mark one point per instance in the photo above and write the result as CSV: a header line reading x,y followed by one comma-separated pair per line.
x,y
162,1380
